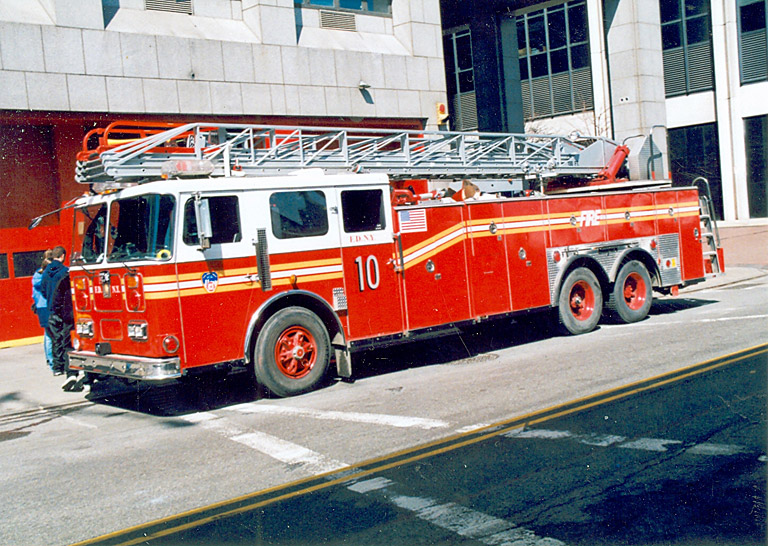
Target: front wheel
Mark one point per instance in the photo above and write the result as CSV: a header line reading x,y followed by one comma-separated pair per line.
x,y
632,293
581,302
292,352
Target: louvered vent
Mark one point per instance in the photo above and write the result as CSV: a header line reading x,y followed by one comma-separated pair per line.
x,y
542,101
753,56
700,73
526,90
582,89
674,72
561,93
465,112
175,6
337,20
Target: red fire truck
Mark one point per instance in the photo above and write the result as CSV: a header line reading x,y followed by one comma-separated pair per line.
x,y
284,250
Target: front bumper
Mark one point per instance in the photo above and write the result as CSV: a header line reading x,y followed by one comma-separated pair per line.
x,y
129,367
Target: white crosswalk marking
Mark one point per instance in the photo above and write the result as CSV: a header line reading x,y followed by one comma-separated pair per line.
x,y
289,453
453,517
354,417
449,516
643,444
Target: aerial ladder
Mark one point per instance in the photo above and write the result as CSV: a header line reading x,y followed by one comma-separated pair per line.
x,y
127,153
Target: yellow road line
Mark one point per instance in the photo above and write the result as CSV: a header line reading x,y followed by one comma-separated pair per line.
x,y
448,444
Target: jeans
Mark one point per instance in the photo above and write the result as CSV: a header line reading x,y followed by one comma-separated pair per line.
x,y
48,346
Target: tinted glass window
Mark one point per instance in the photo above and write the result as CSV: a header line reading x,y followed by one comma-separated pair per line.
x,y
577,22
3,266
225,220
752,16
298,214
556,24
363,210
670,10
670,36
697,30
26,263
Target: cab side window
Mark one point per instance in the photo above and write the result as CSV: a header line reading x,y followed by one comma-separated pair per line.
x,y
225,220
363,210
296,214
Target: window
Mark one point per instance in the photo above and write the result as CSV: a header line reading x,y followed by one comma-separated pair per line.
x,y
298,214
695,151
225,220
460,79
26,263
363,210
141,228
4,274
176,6
686,39
553,51
756,135
90,227
753,44
370,6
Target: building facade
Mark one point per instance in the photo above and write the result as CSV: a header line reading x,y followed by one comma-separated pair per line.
x,y
691,73
67,66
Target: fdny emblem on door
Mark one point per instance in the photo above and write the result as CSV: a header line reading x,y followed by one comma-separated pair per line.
x,y
210,281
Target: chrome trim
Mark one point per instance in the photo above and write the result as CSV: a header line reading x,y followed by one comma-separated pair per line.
x,y
129,367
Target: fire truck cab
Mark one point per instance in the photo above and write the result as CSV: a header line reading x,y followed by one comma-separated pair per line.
x,y
287,275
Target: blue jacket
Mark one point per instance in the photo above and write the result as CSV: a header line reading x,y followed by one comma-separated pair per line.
x,y
56,290
41,304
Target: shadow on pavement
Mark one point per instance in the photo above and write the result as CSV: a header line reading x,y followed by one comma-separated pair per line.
x,y
467,345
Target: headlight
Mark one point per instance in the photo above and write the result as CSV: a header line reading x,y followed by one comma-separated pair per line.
x,y
137,330
84,328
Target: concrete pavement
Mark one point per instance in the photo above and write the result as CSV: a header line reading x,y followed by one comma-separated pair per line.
x,y
27,383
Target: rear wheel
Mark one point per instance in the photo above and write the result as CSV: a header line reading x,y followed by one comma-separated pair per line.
x,y
292,352
632,293
581,302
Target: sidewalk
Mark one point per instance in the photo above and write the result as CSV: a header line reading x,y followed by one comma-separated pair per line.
x,y
29,385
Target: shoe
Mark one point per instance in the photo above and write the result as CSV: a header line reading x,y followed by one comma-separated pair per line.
x,y
58,372
70,383
79,384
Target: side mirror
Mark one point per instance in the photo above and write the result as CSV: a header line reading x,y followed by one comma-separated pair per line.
x,y
35,222
203,220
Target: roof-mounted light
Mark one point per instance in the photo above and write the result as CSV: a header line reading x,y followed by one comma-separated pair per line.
x,y
182,168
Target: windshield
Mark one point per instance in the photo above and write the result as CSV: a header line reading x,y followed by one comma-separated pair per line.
x,y
89,234
141,228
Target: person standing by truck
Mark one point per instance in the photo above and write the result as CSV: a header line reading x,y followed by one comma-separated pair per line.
x,y
55,287
40,305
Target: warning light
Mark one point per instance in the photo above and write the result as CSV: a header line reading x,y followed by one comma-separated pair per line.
x,y
441,112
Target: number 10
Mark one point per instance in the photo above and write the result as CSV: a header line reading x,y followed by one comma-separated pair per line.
x,y
371,272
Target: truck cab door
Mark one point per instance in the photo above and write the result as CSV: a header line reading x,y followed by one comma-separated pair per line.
x,y
213,282
374,302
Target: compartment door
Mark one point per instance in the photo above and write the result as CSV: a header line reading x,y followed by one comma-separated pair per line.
x,y
372,286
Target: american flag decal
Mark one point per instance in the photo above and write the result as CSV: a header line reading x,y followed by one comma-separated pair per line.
x,y
413,221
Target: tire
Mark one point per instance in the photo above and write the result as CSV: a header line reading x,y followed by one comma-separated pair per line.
x,y
580,303
632,293
292,352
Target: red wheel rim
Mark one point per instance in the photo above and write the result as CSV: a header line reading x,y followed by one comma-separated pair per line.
x,y
295,352
634,291
582,300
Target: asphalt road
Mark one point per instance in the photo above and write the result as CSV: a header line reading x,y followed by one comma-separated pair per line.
x,y
679,459
74,468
